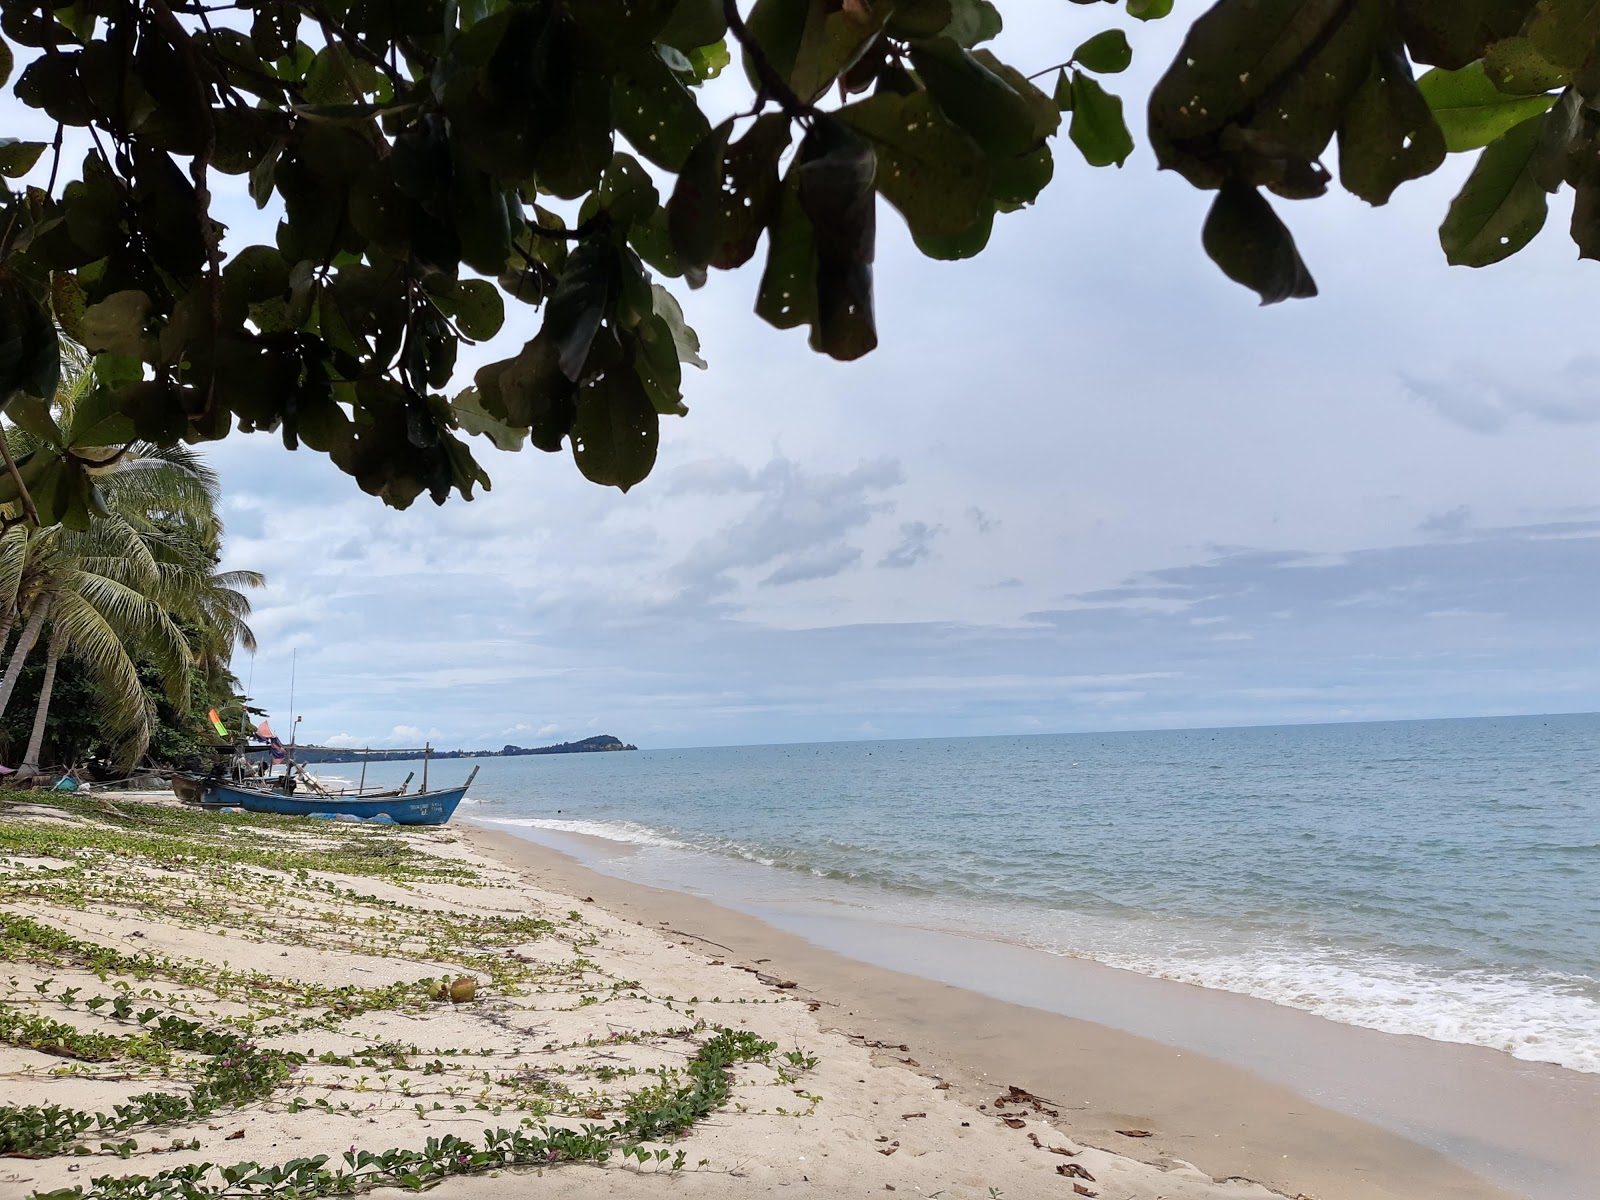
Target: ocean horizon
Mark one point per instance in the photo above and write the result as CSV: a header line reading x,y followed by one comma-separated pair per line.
x,y
1439,878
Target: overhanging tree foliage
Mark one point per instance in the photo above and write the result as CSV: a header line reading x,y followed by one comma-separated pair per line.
x,y
432,160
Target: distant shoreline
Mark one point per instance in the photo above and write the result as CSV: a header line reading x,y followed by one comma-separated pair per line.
x,y
599,744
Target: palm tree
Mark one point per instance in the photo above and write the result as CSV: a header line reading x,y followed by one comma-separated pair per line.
x,y
139,583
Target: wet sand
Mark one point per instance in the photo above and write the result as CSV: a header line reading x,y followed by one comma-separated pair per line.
x,y
1239,1087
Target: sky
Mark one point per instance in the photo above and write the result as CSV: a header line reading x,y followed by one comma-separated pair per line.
x,y
1085,483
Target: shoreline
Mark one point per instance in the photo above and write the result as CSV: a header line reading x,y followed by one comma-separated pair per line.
x,y
1278,1095
304,1030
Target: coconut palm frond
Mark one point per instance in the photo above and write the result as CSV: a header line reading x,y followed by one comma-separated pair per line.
x,y
96,644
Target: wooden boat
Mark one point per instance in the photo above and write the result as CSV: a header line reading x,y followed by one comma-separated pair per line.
x,y
419,808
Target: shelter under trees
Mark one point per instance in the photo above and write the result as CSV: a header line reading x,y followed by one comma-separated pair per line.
x,y
436,161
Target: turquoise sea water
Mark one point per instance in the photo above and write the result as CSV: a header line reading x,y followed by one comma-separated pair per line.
x,y
1439,878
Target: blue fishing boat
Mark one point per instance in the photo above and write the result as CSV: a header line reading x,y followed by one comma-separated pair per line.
x,y
419,808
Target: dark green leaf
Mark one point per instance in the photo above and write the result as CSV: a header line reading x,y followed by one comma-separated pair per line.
x,y
530,391
833,39
17,158
931,171
1105,53
692,211
1259,88
749,191
1149,10
656,112
1515,65
1246,239
919,18
972,22
1389,133
1452,34
788,294
1502,205
693,24
616,432
1063,91
1471,111
1565,33
977,99
1097,129
579,305
476,306
836,167
1586,218
777,27
6,62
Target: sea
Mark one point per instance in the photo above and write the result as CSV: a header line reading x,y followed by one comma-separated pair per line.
x,y
1437,878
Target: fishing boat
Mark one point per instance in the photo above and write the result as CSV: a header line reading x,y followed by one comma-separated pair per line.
x,y
419,808
296,793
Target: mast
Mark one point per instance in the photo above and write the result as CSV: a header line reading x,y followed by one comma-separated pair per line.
x,y
427,749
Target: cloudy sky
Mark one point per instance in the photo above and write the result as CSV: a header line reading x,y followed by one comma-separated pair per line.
x,y
1085,483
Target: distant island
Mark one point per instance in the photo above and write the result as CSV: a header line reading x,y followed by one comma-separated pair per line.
x,y
600,743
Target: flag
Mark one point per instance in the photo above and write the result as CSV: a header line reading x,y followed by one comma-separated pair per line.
x,y
264,732
216,723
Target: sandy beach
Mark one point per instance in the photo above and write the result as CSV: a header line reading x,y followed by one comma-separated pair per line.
x,y
285,984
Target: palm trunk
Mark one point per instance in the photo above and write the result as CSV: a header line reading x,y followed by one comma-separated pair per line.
x,y
25,643
30,760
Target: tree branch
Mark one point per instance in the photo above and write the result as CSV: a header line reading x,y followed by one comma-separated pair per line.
x,y
773,84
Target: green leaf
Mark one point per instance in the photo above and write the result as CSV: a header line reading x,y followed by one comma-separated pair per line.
x,y
787,296
1586,218
919,18
1453,34
1471,111
777,27
1389,134
116,324
708,61
617,432
468,410
1097,129
1063,91
831,42
1246,239
579,304
932,172
973,22
1149,10
530,391
694,24
749,190
30,353
1515,66
17,158
1105,53
6,62
1502,205
477,306
656,112
694,207
974,97
683,337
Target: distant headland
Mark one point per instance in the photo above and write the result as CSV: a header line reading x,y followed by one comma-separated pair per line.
x,y
600,743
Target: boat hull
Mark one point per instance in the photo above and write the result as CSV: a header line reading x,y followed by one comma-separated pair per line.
x,y
422,808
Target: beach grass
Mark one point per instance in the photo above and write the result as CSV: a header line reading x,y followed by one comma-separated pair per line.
x,y
164,969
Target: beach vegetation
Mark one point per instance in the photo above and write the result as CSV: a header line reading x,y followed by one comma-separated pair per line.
x,y
183,1038
438,171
